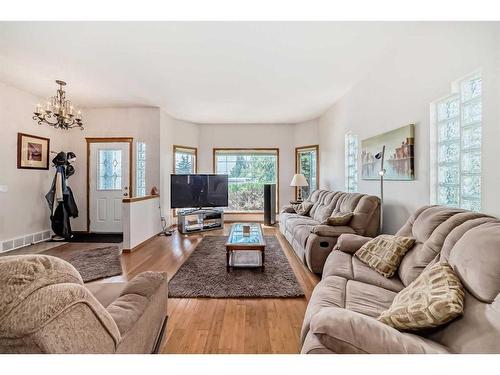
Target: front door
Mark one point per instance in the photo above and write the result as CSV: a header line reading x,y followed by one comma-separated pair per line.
x,y
108,185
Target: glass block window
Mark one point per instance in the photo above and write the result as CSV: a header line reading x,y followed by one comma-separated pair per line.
x,y
458,121
351,162
140,167
109,170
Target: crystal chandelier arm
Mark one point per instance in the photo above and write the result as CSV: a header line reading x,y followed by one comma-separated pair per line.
x,y
43,118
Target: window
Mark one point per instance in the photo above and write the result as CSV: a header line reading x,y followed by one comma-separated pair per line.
x,y
248,171
351,162
307,163
140,166
110,169
185,160
457,155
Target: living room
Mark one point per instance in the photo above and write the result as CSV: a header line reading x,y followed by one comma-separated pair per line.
x,y
261,187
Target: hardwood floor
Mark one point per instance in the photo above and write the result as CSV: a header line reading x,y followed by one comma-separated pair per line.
x,y
236,325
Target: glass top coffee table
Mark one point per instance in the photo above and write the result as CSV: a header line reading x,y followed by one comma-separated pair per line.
x,y
248,238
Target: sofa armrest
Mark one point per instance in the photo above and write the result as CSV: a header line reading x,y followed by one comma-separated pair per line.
x,y
331,231
346,331
350,243
288,209
140,310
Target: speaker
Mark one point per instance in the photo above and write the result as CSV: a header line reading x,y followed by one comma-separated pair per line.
x,y
270,204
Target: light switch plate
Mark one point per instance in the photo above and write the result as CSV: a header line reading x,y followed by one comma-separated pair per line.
x,y
4,188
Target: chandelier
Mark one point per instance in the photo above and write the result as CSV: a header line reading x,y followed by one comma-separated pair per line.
x,y
58,112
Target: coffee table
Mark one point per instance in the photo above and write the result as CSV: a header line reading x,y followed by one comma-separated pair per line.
x,y
237,240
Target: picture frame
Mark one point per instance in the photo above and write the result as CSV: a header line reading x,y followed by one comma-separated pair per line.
x,y
32,151
399,155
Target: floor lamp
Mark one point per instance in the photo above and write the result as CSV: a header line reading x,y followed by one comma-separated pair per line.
x,y
380,156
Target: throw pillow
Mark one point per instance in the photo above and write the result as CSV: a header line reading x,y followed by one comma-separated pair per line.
x,y
339,219
432,299
384,253
303,208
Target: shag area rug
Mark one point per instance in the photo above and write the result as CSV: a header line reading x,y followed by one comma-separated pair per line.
x,y
204,274
93,264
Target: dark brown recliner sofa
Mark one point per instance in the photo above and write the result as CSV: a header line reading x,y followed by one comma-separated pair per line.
x,y
341,314
312,241
46,308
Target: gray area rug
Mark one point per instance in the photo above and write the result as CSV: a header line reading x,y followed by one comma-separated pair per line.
x,y
204,274
95,263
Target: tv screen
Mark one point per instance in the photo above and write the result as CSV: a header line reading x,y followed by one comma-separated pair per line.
x,y
198,190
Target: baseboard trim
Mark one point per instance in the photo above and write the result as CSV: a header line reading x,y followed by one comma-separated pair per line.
x,y
141,244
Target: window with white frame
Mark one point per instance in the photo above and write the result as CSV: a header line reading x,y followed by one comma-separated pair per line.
x,y
140,166
351,162
458,146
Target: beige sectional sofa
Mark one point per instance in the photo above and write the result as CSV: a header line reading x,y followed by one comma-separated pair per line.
x,y
341,315
313,242
45,308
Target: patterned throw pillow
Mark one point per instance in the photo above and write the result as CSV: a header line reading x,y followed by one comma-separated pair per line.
x,y
432,299
385,252
303,208
339,219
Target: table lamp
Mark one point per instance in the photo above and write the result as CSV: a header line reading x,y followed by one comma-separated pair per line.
x,y
299,181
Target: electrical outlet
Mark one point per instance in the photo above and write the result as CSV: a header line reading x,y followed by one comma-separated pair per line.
x,y
4,188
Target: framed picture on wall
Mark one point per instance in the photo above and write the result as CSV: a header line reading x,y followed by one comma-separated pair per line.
x,y
399,155
32,152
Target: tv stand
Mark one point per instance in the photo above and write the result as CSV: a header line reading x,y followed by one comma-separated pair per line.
x,y
199,220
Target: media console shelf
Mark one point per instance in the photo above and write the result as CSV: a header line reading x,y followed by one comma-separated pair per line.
x,y
198,220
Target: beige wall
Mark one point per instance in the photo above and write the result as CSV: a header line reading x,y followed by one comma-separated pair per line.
x,y
398,91
172,132
306,133
23,209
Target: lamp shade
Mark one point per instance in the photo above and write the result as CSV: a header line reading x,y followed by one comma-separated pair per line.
x,y
299,180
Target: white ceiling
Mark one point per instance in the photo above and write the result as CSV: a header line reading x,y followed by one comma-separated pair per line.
x,y
204,72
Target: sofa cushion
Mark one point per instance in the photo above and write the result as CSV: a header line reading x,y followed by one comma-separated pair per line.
x,y
23,275
106,293
350,243
366,217
476,260
301,233
338,219
335,291
126,311
295,220
430,226
347,266
384,253
367,299
433,299
329,231
303,208
344,331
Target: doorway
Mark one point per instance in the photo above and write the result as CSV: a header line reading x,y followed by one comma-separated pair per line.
x,y
109,173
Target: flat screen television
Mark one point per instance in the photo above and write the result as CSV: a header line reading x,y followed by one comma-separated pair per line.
x,y
198,190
